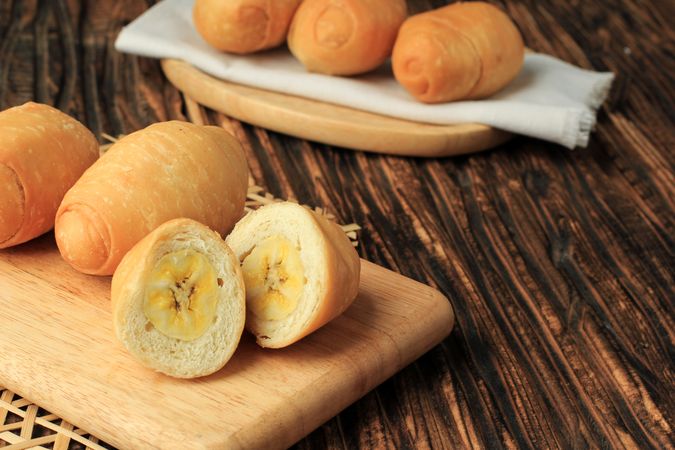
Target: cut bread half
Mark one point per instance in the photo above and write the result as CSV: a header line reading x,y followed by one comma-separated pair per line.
x,y
300,270
178,300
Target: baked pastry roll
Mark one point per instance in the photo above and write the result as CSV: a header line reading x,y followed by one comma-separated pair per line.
x,y
461,51
243,26
300,270
165,171
178,300
42,153
345,37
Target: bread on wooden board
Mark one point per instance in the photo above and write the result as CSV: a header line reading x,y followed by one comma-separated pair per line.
x,y
460,51
42,153
345,37
243,26
178,300
165,171
300,270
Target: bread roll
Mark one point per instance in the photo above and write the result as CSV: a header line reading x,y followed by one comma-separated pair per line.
x,y
300,270
167,170
243,26
345,37
42,153
461,51
178,300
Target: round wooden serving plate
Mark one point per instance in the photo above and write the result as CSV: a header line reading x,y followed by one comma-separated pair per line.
x,y
327,123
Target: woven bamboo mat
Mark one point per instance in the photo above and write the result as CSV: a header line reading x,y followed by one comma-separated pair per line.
x,y
26,425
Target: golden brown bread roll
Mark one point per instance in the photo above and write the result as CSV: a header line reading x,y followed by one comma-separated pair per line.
x,y
345,37
461,51
42,153
165,171
243,26
300,270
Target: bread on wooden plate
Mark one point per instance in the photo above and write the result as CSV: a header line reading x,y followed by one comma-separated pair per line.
x,y
178,300
345,37
42,153
243,26
460,51
165,171
300,270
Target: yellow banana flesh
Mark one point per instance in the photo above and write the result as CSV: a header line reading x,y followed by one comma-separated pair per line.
x,y
181,296
274,278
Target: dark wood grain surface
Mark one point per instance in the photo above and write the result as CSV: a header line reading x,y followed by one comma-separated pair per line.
x,y
559,263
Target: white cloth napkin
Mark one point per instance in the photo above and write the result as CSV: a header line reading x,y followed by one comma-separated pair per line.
x,y
550,99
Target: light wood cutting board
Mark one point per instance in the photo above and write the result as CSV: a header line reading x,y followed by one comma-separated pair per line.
x,y
327,123
57,349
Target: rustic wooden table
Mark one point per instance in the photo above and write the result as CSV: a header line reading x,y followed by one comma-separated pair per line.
x,y
559,263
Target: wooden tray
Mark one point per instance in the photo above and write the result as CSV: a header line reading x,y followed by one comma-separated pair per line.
x,y
327,123
57,349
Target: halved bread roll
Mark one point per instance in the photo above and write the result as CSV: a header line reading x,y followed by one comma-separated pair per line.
x,y
178,300
300,270
42,154
165,171
243,26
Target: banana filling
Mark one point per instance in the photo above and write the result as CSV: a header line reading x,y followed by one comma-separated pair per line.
x,y
181,297
274,278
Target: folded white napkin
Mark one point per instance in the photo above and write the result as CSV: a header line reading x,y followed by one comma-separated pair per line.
x,y
549,99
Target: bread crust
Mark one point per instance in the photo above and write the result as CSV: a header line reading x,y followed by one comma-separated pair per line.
x,y
167,170
343,276
345,37
243,26
460,51
129,278
42,154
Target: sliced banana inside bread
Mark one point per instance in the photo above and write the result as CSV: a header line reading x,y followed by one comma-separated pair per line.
x,y
300,270
178,300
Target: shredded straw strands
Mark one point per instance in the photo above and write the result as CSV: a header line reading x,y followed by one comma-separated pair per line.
x,y
20,427
111,140
257,197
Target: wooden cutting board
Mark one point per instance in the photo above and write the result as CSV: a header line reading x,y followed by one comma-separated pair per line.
x,y
57,349
327,123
